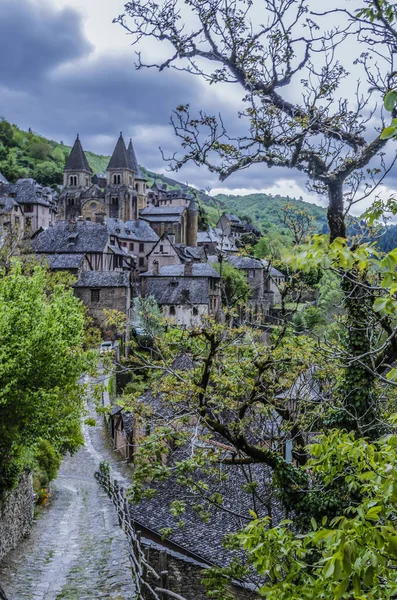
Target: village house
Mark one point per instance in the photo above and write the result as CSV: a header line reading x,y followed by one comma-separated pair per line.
x,y
215,241
104,290
136,236
38,204
186,292
234,228
11,218
261,297
167,252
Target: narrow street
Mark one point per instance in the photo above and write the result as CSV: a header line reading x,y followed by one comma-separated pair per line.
x,y
76,550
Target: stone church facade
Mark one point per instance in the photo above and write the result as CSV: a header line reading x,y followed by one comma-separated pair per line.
x,y
123,196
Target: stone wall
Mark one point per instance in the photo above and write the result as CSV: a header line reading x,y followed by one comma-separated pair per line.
x,y
16,515
182,576
118,298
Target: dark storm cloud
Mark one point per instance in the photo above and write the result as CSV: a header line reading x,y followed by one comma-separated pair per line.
x,y
34,40
52,81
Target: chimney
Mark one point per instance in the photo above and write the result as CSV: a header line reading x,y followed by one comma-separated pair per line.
x,y
156,269
71,225
188,270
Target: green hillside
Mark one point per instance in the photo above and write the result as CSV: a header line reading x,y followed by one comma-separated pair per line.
x,y
27,154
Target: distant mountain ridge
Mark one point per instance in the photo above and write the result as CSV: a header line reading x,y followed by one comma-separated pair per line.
x,y
27,154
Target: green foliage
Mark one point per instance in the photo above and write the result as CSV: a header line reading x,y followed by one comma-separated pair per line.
x,y
235,288
47,462
41,361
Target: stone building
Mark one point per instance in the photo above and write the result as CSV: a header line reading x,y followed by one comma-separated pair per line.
x,y
101,290
122,197
38,204
137,236
261,297
186,292
215,241
174,219
167,252
11,218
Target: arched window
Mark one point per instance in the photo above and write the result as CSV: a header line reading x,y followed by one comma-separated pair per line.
x,y
116,179
73,180
114,200
136,187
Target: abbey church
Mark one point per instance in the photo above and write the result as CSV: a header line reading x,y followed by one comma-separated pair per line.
x,y
122,194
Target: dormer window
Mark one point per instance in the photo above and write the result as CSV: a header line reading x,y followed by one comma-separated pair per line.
x,y
117,230
112,239
127,231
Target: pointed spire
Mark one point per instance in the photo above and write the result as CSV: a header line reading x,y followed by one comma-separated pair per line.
x,y
119,158
133,161
77,160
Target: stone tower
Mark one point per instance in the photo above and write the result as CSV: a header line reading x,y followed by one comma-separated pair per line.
x,y
192,223
77,179
77,171
140,180
121,195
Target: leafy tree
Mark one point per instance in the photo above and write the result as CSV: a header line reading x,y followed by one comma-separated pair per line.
x,y
235,288
48,173
288,69
41,337
6,133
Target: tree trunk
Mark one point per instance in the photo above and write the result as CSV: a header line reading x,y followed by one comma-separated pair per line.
x,y
335,213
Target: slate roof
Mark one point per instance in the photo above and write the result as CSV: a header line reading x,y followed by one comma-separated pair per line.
x,y
137,230
134,163
87,237
245,262
234,219
7,205
77,160
163,218
27,191
119,159
272,271
103,279
64,261
178,291
198,270
163,210
2,178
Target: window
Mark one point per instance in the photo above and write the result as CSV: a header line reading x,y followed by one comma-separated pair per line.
x,y
141,247
93,205
112,239
29,222
136,187
114,200
161,248
123,244
251,273
117,230
86,181
94,295
28,208
141,261
212,284
127,231
16,219
73,180
172,310
117,179
131,246
70,201
195,311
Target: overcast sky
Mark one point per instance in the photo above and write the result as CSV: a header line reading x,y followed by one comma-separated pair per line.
x,y
65,68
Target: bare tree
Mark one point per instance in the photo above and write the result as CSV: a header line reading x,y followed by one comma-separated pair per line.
x,y
290,65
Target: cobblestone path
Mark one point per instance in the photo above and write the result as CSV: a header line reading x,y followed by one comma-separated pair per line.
x,y
76,550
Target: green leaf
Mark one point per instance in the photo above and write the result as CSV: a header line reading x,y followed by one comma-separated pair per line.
x,y
390,100
388,133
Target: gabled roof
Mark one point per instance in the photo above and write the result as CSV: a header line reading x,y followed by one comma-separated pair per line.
x,y
85,237
198,270
271,270
181,291
245,262
137,230
119,159
64,261
103,279
233,218
77,160
7,205
133,162
163,210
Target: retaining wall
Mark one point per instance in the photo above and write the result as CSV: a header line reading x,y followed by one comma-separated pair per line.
x,y
16,515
